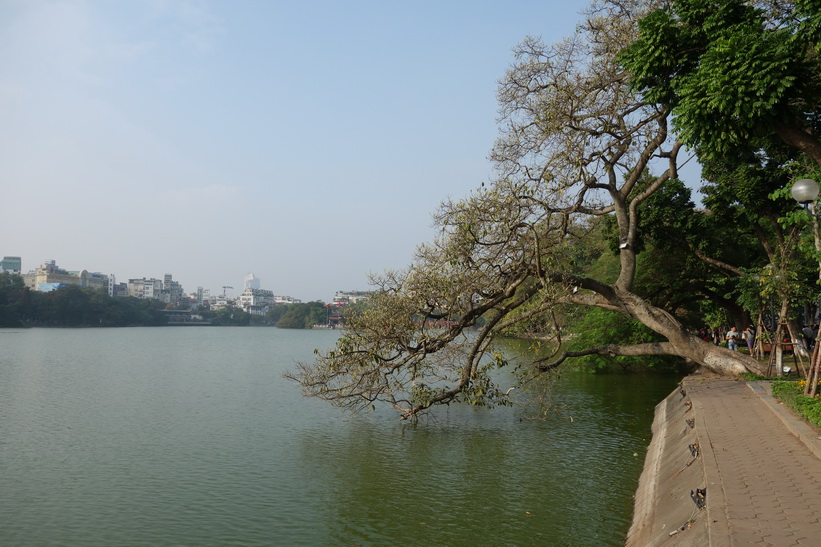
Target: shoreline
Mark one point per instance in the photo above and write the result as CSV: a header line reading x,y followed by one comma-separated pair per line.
x,y
663,509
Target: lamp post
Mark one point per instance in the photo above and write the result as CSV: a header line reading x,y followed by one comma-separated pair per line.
x,y
805,192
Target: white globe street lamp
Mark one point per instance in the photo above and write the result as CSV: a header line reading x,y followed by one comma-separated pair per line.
x,y
804,191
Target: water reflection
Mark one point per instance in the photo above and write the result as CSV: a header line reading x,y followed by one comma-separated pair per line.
x,y
470,475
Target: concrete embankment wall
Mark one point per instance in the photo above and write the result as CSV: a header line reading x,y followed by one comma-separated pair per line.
x,y
665,513
725,436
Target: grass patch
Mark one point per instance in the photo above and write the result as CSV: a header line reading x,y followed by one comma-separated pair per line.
x,y
750,377
792,395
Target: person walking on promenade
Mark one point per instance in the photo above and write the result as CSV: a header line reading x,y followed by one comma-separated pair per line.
x,y
749,336
809,336
732,338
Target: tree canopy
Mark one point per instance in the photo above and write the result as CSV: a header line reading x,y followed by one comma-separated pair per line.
x,y
299,316
734,72
72,306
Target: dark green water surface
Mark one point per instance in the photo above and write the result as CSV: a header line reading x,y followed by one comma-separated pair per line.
x,y
190,436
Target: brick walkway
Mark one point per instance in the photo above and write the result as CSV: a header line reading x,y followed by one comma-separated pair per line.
x,y
762,465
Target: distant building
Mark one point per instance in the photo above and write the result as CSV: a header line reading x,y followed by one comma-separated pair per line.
x,y
11,264
286,300
202,296
221,302
48,287
172,292
167,290
251,281
119,290
342,299
144,288
256,301
48,276
351,297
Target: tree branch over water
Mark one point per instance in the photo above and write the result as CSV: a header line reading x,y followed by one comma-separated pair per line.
x,y
576,143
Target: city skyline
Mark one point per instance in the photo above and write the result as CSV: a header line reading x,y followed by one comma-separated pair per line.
x,y
309,143
249,279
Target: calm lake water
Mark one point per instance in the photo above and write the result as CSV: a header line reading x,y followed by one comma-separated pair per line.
x,y
190,436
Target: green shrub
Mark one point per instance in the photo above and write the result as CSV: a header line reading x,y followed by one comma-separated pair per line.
x,y
792,395
600,327
750,377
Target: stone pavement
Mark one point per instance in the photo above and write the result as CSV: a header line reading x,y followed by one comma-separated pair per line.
x,y
759,464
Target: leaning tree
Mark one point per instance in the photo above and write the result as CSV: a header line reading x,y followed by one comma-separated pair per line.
x,y
576,143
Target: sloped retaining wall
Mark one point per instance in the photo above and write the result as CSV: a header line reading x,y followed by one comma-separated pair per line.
x,y
665,513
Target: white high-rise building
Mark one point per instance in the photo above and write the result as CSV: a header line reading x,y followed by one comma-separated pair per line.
x,y
251,281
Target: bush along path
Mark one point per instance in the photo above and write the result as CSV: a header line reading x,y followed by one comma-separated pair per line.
x,y
793,397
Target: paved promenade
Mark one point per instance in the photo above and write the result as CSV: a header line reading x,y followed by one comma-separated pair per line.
x,y
758,465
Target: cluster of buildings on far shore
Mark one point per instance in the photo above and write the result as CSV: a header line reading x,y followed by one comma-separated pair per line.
x,y
48,276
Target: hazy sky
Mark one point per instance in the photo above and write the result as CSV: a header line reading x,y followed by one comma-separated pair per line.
x,y
308,142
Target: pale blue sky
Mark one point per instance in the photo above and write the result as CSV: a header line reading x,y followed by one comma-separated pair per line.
x,y
307,142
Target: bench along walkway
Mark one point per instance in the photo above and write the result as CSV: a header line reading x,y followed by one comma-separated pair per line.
x,y
728,465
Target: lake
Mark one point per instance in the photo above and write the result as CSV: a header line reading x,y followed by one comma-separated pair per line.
x,y
191,436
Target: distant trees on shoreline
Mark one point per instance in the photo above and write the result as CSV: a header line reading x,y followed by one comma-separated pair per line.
x,y
73,306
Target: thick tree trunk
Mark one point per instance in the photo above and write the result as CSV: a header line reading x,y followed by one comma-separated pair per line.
x,y
717,359
795,136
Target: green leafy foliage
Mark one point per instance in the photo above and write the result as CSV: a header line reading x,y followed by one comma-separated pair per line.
x,y
792,395
729,69
228,317
600,327
299,316
12,295
72,306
